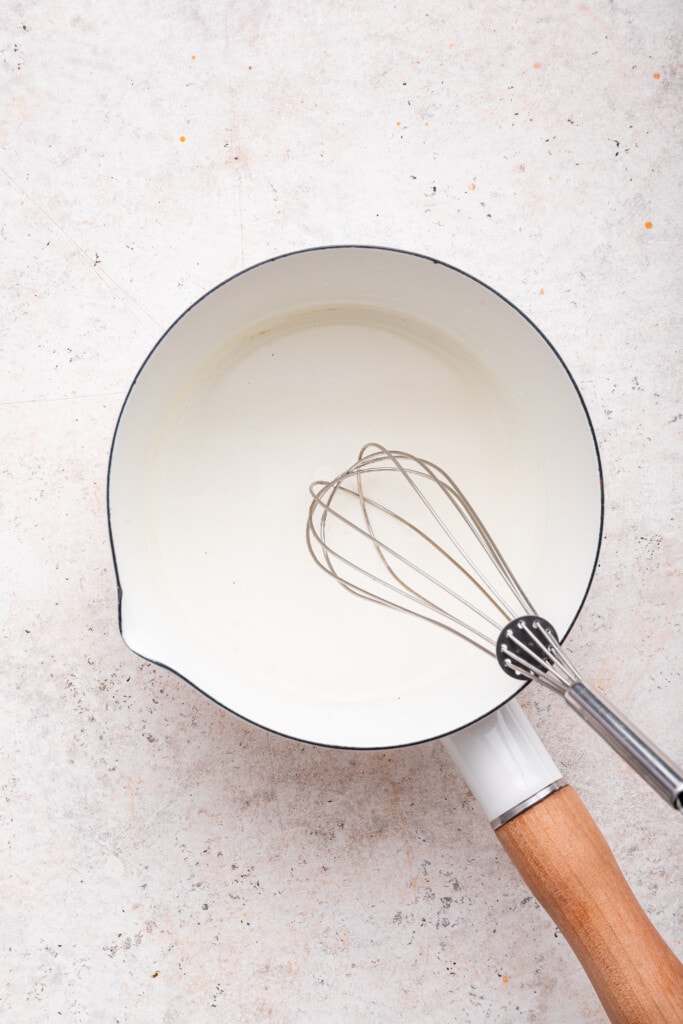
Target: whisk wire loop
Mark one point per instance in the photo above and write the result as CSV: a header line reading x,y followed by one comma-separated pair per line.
x,y
489,604
322,498
459,503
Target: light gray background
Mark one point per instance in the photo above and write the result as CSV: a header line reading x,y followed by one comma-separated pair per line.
x,y
161,860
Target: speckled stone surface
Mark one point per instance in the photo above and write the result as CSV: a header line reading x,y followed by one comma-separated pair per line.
x,y
162,861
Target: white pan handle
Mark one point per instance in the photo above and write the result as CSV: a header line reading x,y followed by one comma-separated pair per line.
x,y
504,763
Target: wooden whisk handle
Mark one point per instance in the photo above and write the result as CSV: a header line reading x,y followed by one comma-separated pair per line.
x,y
568,866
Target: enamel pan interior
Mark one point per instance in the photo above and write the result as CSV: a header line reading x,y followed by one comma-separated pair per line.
x,y
275,379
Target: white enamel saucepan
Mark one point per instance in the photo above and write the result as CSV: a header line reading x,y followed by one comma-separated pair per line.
x,y
275,379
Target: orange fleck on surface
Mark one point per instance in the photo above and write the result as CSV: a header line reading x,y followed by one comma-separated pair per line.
x,y
471,186
657,75
398,124
537,64
193,57
182,138
426,124
505,978
541,291
648,224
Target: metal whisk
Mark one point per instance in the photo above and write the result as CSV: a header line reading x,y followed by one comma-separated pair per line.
x,y
413,542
